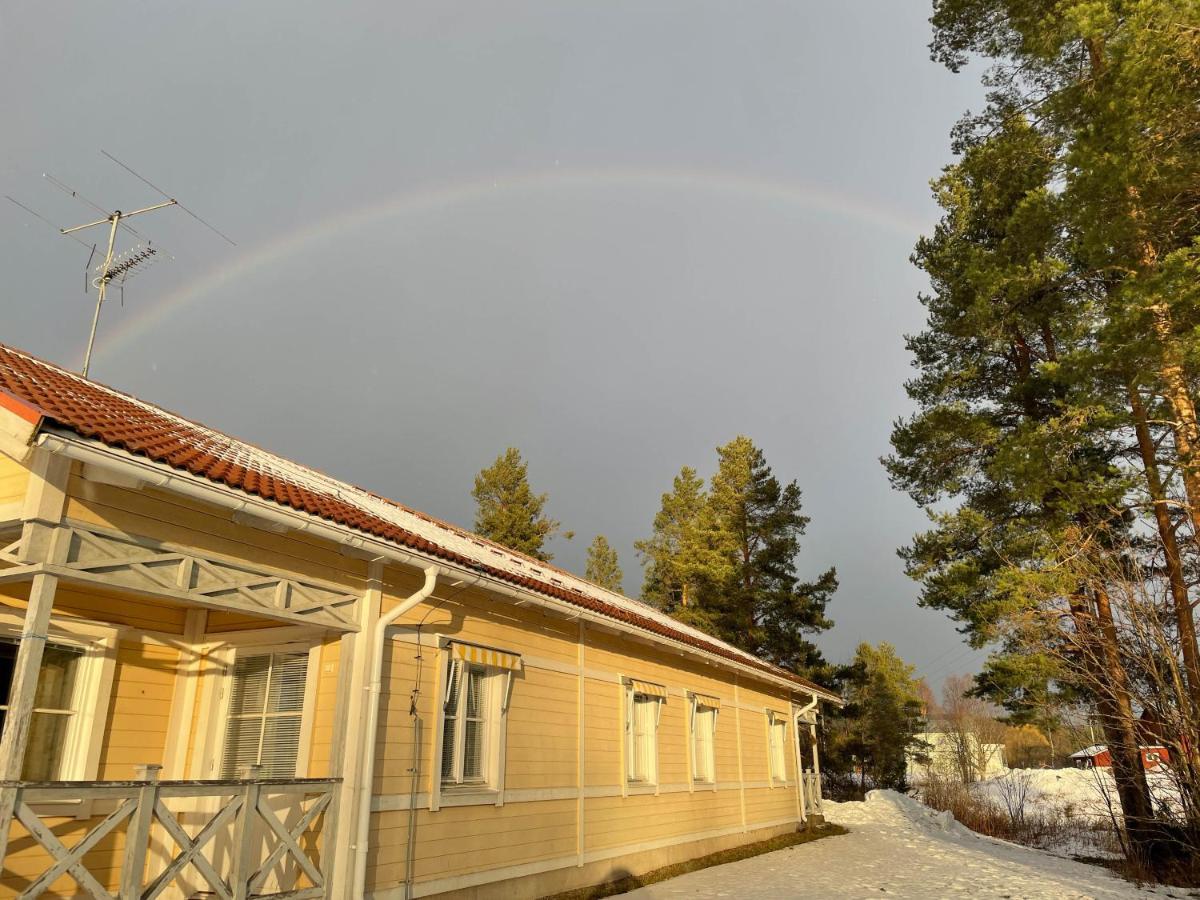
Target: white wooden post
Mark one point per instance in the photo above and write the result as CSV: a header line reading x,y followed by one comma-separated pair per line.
x,y
25,676
816,792
801,808
137,838
346,837
244,846
45,498
9,798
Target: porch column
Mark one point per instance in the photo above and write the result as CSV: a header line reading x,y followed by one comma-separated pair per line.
x,y
20,702
816,771
346,840
801,809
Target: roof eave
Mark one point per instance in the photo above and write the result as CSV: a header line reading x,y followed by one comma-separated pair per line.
x,y
160,475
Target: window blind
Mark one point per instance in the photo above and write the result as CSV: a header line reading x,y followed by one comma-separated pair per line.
x,y
266,705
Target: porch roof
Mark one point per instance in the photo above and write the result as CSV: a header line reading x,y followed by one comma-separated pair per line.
x,y
121,421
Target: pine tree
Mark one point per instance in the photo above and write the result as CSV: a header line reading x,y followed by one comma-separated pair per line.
x,y
603,568
508,511
878,727
763,604
1019,422
682,556
724,560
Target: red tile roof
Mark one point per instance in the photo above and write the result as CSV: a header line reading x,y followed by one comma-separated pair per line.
x,y
118,420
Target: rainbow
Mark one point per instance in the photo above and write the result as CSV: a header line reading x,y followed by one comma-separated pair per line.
x,y
410,202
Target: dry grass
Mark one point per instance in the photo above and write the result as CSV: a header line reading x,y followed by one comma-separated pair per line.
x,y
1057,830
733,854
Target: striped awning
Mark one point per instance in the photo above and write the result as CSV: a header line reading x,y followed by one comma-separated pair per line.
x,y
706,700
649,688
485,656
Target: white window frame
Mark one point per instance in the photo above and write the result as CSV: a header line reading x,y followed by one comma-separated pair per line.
x,y
90,697
497,695
776,753
222,687
695,710
650,781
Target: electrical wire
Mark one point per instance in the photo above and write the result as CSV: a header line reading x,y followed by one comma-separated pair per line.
x,y
150,183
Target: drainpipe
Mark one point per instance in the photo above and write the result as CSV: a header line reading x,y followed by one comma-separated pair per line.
x,y
362,831
799,759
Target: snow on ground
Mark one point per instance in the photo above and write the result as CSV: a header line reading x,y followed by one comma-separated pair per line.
x,y
1086,794
897,847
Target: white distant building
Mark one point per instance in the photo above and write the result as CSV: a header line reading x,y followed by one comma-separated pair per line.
x,y
941,757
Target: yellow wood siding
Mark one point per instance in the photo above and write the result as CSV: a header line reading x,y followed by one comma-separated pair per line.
x,y
13,479
320,762
538,821
138,709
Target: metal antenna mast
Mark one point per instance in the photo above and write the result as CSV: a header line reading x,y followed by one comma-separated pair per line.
x,y
106,273
122,268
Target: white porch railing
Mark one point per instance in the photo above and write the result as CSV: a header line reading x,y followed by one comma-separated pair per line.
x,y
812,793
253,838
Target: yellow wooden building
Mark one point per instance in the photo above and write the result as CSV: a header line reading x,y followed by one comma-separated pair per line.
x,y
223,674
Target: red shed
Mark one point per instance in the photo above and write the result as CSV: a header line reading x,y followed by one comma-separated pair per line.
x,y
1097,756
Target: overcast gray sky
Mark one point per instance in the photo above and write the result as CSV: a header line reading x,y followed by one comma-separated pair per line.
x,y
613,234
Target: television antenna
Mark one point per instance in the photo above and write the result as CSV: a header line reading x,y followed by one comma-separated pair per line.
x,y
115,267
106,272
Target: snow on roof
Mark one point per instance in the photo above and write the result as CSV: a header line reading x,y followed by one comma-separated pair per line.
x,y
1088,752
121,420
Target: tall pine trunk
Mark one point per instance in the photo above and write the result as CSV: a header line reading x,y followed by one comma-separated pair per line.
x,y
1184,619
1092,614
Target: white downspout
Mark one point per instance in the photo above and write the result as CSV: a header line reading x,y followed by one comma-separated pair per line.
x,y
362,830
804,710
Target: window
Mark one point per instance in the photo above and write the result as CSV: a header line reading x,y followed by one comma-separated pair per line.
x,y
704,729
777,740
470,741
266,708
467,724
643,704
56,708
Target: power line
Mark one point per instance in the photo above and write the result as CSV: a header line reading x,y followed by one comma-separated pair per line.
x,y
150,183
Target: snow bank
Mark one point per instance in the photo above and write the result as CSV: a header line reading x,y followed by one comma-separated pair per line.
x,y
899,848
1086,794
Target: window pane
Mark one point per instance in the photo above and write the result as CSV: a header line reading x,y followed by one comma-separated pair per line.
x,y
475,678
286,693
56,680
704,744
452,698
48,730
645,720
43,754
249,684
241,746
8,660
265,704
280,746
449,733
472,750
